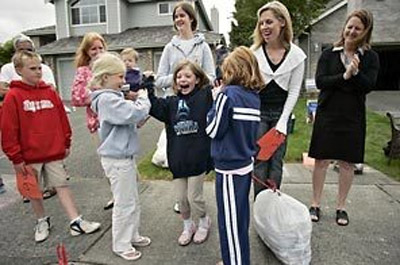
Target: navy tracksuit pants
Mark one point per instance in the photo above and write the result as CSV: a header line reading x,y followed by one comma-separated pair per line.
x,y
232,192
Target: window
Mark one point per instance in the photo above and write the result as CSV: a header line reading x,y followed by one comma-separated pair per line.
x,y
88,12
164,9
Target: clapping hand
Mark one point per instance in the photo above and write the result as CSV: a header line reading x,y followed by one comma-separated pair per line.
x,y
352,68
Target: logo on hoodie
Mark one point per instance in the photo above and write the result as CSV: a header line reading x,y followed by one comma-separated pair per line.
x,y
37,105
184,125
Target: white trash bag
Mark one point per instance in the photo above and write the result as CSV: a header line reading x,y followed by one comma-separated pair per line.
x,y
160,155
284,224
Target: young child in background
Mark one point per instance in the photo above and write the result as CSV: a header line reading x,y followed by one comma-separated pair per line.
x,y
133,75
188,147
36,134
232,125
118,145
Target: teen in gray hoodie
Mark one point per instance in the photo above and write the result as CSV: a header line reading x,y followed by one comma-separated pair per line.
x,y
185,45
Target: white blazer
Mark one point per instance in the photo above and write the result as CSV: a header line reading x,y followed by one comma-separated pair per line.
x,y
289,76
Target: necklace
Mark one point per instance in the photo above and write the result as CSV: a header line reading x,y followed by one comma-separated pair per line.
x,y
275,55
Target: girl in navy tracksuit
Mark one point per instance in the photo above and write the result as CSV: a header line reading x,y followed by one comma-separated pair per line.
x,y
232,125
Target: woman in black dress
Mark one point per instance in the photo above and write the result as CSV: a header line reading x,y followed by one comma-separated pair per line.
x,y
345,74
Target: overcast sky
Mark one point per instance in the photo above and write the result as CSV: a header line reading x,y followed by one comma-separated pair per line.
x,y
20,15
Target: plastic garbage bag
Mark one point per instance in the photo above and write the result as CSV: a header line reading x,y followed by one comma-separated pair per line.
x,y
284,225
160,155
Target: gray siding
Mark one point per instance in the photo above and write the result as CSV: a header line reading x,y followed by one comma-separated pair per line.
x,y
81,30
124,15
113,16
146,15
324,32
386,20
61,19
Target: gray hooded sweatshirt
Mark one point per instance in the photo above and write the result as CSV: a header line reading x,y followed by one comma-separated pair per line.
x,y
199,52
118,118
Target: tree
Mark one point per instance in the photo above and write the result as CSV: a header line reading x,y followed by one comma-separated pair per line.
x,y
301,11
6,52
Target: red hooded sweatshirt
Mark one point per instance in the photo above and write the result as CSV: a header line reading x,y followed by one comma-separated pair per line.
x,y
34,125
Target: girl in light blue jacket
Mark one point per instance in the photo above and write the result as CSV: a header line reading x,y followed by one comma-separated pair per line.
x,y
118,146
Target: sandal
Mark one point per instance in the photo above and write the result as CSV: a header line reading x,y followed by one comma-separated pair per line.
x,y
49,193
315,213
141,241
131,254
342,218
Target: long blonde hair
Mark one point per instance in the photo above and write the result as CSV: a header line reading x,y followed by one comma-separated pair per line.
x,y
281,13
240,67
82,57
364,39
106,64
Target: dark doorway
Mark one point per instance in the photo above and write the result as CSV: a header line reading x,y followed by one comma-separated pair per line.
x,y
389,72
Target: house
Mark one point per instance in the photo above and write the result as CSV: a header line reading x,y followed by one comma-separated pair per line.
x,y
325,30
142,24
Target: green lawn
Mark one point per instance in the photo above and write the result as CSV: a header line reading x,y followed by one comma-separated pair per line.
x,y
378,133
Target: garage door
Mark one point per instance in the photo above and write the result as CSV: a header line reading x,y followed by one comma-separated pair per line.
x,y
65,77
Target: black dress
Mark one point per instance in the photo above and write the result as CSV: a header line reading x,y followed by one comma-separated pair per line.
x,y
340,123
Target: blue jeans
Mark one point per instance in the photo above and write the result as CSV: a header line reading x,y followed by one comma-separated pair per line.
x,y
271,169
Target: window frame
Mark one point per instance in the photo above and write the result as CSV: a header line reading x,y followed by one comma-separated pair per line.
x,y
170,9
98,13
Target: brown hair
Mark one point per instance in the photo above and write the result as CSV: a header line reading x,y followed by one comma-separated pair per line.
x,y
82,57
364,39
20,57
132,52
197,71
281,13
241,68
188,8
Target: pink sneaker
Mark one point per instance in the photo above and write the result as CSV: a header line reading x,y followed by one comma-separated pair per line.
x,y
186,237
202,232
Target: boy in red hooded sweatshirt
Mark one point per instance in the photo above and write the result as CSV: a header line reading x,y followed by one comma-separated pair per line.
x,y
36,133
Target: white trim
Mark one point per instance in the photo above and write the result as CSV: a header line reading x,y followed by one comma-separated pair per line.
x,y
107,20
234,219
67,18
240,171
228,221
246,111
88,25
329,11
118,16
212,128
243,117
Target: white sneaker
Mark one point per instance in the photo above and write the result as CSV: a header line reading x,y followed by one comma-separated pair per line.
x,y
42,229
67,110
81,226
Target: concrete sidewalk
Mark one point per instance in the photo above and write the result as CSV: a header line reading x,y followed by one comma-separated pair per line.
x,y
373,236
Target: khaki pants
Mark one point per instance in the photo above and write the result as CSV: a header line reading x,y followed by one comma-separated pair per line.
x,y
189,193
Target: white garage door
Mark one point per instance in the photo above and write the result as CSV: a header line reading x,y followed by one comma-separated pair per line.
x,y
65,77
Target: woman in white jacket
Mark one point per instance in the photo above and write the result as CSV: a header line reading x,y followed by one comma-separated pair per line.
x,y
282,65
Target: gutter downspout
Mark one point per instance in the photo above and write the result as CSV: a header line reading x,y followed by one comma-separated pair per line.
x,y
308,53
